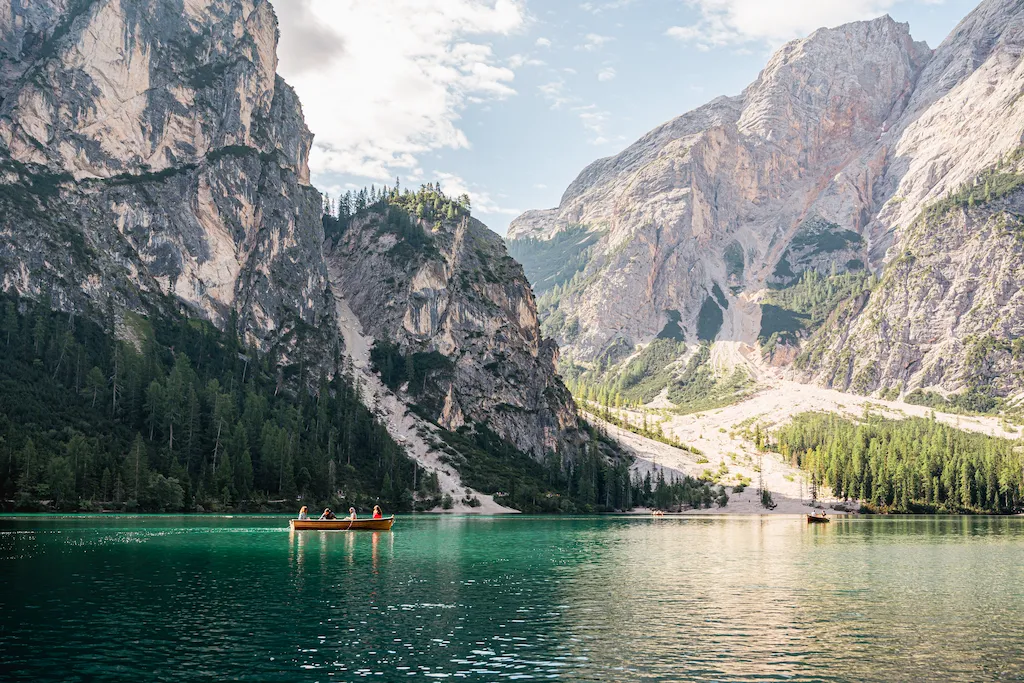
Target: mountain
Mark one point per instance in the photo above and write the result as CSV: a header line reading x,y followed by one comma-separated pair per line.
x,y
154,188
455,321
778,224
150,148
947,310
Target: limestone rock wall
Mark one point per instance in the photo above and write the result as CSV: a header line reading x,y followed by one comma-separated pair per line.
x,y
826,162
464,298
150,150
740,174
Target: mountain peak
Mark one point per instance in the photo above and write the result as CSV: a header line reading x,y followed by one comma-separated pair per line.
x,y
822,168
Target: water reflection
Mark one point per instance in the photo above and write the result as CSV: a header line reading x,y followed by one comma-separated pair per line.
x,y
602,599
748,598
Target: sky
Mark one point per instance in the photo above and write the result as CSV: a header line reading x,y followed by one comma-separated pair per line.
x,y
508,100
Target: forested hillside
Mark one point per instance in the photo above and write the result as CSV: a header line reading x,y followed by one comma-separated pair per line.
x,y
182,418
913,465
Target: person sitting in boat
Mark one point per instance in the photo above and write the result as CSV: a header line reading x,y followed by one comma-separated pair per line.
x,y
304,512
377,514
328,514
352,514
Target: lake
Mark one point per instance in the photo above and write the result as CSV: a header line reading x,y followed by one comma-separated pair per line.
x,y
94,598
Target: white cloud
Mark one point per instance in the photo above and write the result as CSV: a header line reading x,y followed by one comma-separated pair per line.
x,y
599,7
606,74
454,186
594,122
594,41
734,22
382,83
518,60
543,42
554,92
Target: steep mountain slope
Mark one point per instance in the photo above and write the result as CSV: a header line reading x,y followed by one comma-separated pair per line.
x,y
820,166
455,321
716,196
153,173
149,148
948,312
153,163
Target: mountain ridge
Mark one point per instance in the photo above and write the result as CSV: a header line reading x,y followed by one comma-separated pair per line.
x,y
819,166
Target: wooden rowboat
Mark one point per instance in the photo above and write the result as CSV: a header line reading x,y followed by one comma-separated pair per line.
x,y
815,519
342,524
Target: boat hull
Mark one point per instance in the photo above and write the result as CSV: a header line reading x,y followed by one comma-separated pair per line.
x,y
342,524
812,519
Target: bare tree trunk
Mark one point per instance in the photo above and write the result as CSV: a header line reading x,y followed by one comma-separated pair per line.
x,y
216,446
60,360
113,382
137,456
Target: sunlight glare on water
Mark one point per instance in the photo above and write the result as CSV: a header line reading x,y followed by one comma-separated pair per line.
x,y
512,598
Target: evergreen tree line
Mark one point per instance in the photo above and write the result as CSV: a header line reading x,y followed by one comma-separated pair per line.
x,y
189,420
676,493
597,484
913,465
600,480
399,206
186,420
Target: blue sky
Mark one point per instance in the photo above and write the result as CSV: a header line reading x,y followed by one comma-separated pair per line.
x,y
508,100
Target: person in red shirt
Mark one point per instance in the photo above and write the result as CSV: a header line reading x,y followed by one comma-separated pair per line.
x,y
376,512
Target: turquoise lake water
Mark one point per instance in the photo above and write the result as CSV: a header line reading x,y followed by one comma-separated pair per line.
x,y
125,598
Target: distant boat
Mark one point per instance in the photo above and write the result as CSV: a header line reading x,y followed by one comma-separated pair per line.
x,y
815,519
342,524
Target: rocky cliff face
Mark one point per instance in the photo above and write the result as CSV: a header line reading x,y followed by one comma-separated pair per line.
x,y
715,197
150,150
824,163
460,312
151,158
947,310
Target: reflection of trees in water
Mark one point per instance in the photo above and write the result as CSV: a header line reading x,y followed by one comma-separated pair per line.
x,y
737,598
700,596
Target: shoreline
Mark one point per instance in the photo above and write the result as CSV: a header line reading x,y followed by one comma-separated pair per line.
x,y
639,513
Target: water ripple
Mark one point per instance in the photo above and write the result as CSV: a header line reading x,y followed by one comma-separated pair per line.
x,y
607,599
